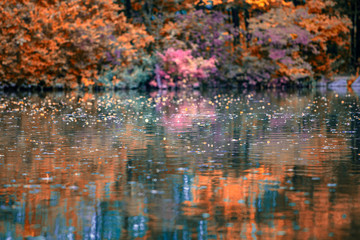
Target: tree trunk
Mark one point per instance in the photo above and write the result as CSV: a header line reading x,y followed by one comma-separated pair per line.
x,y
236,22
128,9
246,16
352,36
357,33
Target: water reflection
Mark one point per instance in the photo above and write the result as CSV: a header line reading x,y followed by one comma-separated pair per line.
x,y
168,165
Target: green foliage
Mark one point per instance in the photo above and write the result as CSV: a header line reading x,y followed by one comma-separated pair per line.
x,y
133,76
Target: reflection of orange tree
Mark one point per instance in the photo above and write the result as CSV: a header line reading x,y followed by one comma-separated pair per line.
x,y
83,161
245,203
308,153
70,170
329,214
67,163
234,198
54,169
325,152
310,168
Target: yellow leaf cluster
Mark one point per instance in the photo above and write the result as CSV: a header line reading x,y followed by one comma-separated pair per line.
x,y
265,4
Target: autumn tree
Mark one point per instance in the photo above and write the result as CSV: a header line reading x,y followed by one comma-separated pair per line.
x,y
155,13
290,44
54,41
331,35
116,43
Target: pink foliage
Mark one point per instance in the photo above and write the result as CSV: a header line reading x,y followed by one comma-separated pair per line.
x,y
180,65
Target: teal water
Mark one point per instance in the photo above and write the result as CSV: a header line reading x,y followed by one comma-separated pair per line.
x,y
175,165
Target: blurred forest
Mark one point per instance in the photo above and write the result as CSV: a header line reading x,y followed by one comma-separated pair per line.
x,y
120,44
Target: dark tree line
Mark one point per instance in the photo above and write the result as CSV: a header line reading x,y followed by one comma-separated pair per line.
x,y
351,8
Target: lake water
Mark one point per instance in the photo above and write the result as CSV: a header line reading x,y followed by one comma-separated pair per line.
x,y
166,165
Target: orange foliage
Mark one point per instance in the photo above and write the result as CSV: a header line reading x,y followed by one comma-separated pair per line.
x,y
54,41
327,30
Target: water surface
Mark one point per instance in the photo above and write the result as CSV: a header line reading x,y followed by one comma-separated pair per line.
x,y
174,165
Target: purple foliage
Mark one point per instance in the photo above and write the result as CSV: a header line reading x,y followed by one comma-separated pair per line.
x,y
112,37
282,49
276,54
211,33
114,58
303,37
287,60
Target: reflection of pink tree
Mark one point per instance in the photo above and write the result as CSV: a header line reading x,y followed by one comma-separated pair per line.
x,y
180,115
280,121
